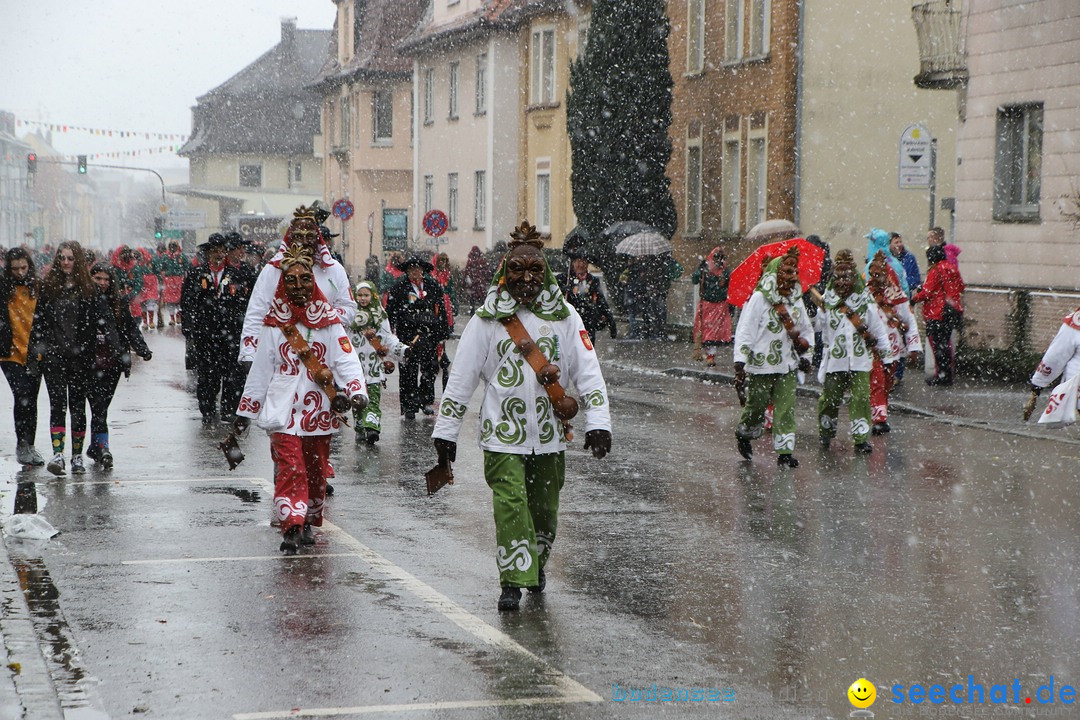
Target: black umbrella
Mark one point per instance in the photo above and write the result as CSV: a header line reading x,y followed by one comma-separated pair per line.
x,y
576,243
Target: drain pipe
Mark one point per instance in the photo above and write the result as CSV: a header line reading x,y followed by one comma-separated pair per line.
x,y
799,112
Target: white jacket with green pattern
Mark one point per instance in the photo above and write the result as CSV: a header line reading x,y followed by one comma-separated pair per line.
x,y
515,412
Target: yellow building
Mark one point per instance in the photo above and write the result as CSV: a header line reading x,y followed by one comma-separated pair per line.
x,y
549,43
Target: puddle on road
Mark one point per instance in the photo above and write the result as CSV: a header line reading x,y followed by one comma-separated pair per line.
x,y
72,683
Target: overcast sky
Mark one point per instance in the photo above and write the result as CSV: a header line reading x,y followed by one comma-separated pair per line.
x,y
132,65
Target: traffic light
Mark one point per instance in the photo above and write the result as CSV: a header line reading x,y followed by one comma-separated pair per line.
x,y
159,228
82,164
31,163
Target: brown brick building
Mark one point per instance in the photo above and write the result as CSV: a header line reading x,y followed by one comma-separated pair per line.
x,y
735,65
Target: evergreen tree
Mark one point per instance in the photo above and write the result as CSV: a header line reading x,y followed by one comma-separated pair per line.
x,y
618,114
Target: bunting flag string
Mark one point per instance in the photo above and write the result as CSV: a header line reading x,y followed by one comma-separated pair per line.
x,y
100,132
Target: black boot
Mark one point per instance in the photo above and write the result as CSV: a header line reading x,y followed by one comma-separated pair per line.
x,y
864,447
329,489
745,449
372,437
540,584
290,541
880,428
510,599
308,536
787,461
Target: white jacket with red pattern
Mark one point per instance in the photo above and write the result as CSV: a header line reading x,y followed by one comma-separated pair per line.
x,y
280,394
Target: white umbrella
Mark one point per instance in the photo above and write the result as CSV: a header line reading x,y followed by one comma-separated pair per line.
x,y
772,230
644,243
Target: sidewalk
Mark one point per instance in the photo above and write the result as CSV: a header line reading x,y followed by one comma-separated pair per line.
x,y
978,404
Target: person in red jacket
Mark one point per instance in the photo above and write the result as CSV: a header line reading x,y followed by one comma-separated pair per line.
x,y
943,311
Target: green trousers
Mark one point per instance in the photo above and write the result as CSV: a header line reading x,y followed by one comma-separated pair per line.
x,y
779,390
525,495
370,418
832,395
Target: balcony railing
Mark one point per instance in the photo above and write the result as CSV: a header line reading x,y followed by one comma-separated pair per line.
x,y
939,27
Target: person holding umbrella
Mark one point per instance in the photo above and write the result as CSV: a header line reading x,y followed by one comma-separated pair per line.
x,y
582,290
772,341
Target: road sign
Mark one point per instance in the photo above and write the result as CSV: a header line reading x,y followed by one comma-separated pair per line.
x,y
173,234
915,160
343,209
185,219
435,223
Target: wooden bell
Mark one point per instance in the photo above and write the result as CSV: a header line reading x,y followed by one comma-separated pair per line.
x,y
548,374
565,408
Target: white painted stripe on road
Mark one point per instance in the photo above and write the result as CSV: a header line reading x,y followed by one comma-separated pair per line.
x,y
415,707
277,558
459,616
167,481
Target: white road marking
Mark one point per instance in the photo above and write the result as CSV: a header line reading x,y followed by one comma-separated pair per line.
x,y
570,691
277,558
412,707
167,481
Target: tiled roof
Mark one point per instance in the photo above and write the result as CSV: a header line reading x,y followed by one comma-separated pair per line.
x,y
381,24
495,14
266,108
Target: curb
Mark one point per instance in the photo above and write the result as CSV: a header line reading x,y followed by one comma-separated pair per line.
x,y
899,406
33,686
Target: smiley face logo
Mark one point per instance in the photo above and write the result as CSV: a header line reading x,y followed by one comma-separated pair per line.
x,y
862,693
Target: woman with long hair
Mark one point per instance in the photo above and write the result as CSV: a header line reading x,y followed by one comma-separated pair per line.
x,y
70,314
109,361
19,291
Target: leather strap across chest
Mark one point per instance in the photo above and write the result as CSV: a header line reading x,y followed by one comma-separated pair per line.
x,y
321,374
560,402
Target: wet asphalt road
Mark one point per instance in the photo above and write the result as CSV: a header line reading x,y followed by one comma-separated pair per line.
x,y
948,552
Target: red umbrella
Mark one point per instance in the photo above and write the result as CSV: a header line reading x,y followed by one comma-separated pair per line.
x,y
745,277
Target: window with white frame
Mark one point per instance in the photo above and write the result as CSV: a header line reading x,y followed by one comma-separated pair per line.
x,y
479,200
382,116
693,185
297,172
481,83
343,139
543,195
756,177
759,27
733,30
731,190
1018,163
543,66
455,68
451,200
695,36
429,95
429,193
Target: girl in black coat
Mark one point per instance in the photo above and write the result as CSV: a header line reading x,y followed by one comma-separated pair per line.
x,y
69,317
109,361
19,292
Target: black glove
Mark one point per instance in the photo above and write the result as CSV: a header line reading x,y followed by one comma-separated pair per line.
x,y
339,404
446,449
599,441
804,364
147,356
240,424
